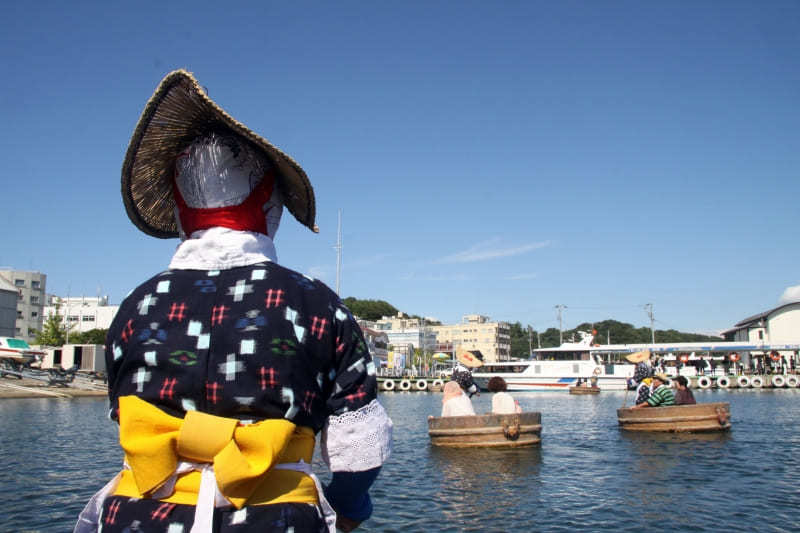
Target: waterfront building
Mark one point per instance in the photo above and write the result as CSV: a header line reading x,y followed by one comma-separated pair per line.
x,y
780,325
81,313
476,332
87,357
8,308
30,287
378,345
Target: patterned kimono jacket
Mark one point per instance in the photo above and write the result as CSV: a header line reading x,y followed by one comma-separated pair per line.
x,y
250,343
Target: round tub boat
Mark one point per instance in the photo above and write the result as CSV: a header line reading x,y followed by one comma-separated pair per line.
x,y
696,418
488,431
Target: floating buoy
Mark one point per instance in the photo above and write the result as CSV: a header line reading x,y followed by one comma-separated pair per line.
x,y
734,357
437,383
792,381
684,358
757,382
405,385
421,384
704,382
743,381
388,384
778,381
723,382
775,356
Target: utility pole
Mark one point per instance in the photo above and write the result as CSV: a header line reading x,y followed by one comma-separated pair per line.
x,y
530,342
338,249
649,309
560,307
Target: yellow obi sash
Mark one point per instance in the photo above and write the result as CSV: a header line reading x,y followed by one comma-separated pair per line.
x,y
247,459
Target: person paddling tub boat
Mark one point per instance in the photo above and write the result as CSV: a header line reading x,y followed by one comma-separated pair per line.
x,y
642,374
462,372
223,368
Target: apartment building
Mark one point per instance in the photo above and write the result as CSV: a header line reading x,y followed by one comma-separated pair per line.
x,y
476,332
8,308
30,287
81,313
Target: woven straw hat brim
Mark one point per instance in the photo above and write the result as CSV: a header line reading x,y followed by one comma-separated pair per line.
x,y
638,357
178,112
468,359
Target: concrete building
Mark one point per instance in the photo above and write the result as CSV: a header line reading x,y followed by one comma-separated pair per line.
x,y
87,357
378,345
8,308
30,287
476,332
81,313
780,325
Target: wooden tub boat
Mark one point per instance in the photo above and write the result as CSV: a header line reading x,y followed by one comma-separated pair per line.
x,y
488,431
696,418
584,390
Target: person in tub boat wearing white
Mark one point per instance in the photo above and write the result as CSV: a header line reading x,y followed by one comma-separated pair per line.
x,y
224,367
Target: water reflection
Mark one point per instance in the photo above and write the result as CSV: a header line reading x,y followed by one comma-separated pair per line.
x,y
587,474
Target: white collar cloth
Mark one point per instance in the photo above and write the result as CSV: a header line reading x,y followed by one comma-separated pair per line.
x,y
222,249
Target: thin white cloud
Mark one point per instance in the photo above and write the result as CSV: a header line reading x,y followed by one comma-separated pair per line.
x,y
791,294
531,275
317,272
488,250
435,277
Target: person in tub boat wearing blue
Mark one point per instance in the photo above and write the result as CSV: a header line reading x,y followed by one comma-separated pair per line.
x,y
462,372
223,368
642,374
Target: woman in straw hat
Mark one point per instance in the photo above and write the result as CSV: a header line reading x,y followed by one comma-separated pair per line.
x,y
223,368
462,372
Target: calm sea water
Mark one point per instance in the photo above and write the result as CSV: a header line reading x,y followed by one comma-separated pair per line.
x,y
587,475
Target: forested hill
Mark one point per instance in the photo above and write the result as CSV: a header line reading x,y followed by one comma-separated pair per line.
x,y
608,332
521,340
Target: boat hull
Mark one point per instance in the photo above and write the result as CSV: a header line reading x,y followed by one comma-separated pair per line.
x,y
698,418
486,431
584,390
521,383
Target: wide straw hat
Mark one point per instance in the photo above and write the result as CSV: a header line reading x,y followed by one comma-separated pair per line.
x,y
468,359
178,112
663,377
638,357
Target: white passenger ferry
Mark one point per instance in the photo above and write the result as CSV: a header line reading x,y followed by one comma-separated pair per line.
x,y
558,369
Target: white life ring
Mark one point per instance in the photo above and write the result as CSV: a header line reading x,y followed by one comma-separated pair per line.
x,y
421,384
596,371
778,381
792,381
743,381
405,385
388,384
704,382
437,383
757,382
723,382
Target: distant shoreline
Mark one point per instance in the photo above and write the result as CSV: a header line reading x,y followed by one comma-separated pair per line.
x,y
15,389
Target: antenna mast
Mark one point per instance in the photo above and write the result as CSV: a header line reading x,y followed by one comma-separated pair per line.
x,y
560,307
338,248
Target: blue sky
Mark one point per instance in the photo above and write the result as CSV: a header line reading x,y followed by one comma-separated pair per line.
x,y
487,157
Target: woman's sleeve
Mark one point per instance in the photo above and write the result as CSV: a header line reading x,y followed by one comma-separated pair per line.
x,y
357,437
358,433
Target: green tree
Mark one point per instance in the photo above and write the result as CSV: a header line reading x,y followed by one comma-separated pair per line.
x,y
520,341
369,309
54,332
93,336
